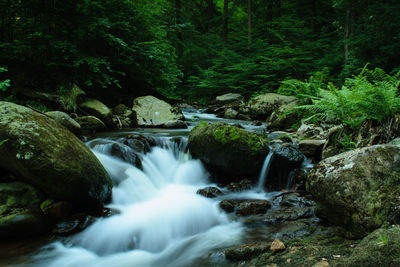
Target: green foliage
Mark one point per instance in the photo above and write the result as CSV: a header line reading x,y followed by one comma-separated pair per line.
x,y
3,141
6,83
370,95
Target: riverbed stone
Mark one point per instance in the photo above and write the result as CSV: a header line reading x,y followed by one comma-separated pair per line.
x,y
358,189
96,108
154,112
228,98
380,248
209,192
227,150
91,123
246,251
312,148
277,245
65,120
48,156
262,106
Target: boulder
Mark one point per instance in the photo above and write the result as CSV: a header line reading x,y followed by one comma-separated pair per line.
x,y
284,117
228,151
23,224
179,124
126,153
358,189
228,98
309,130
312,149
380,248
153,112
19,196
121,109
252,207
230,113
65,120
48,156
209,192
96,108
90,124
262,106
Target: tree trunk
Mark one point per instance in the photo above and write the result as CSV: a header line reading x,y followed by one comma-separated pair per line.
x,y
347,34
225,23
249,24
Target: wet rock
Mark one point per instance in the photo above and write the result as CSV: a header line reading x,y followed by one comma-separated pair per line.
x,y
90,123
245,117
372,132
227,205
358,189
262,106
51,158
126,154
209,192
176,124
242,185
252,207
246,252
23,224
96,108
153,112
63,119
312,149
74,224
228,98
227,150
58,210
277,246
140,143
380,248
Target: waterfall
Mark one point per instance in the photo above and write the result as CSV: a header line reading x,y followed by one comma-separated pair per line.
x,y
264,171
161,220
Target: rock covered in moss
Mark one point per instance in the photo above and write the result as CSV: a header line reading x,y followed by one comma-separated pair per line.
x,y
95,108
18,195
380,248
65,120
228,150
228,98
246,252
51,158
358,189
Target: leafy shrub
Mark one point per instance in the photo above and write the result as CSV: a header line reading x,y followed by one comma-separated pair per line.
x,y
370,95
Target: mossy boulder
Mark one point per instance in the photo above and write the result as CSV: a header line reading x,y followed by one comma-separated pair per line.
x,y
262,106
91,124
48,156
380,248
359,189
65,120
23,224
96,108
227,150
229,98
284,117
18,195
153,112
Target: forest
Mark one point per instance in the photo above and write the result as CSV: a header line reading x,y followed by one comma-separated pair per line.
x,y
192,50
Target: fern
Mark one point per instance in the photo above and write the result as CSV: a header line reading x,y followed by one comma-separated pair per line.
x,y
370,95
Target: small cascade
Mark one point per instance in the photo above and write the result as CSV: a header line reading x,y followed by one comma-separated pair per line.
x,y
264,171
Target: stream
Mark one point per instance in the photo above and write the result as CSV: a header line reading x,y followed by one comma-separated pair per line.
x,y
159,219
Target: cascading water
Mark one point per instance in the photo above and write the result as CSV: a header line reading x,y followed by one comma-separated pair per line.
x,y
264,171
161,220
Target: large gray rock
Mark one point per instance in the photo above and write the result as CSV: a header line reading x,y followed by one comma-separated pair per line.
x,y
65,120
229,98
284,117
91,123
51,158
228,150
358,189
262,106
96,108
153,112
